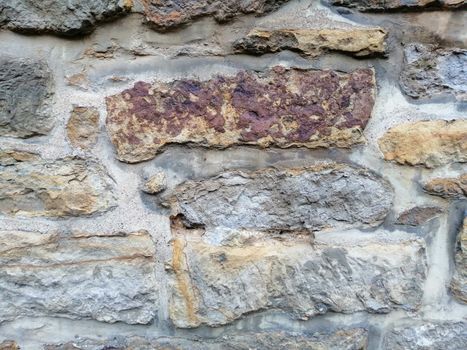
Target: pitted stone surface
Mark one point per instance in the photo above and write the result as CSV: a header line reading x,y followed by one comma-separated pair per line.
x,y
31,186
169,14
401,5
449,188
429,143
358,42
217,284
459,280
430,71
63,17
345,339
281,108
104,276
430,335
26,88
326,196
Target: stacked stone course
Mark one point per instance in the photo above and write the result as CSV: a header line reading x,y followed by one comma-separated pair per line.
x,y
204,174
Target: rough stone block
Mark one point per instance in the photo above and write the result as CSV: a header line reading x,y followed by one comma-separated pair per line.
x,y
418,215
280,107
217,284
31,186
104,276
26,88
430,143
169,14
63,17
83,127
359,42
449,188
430,72
430,335
326,196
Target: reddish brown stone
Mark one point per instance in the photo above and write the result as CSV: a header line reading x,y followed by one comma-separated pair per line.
x,y
280,107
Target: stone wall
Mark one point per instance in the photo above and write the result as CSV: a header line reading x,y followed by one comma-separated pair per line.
x,y
206,174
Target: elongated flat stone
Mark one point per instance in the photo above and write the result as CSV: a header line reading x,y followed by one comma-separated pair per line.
x,y
312,42
431,143
459,280
428,335
26,89
63,17
430,71
281,108
31,186
169,14
401,5
343,339
108,277
449,188
217,284
326,196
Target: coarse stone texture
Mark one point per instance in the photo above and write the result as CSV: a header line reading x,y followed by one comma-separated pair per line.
x,y
26,88
169,14
418,215
217,284
326,196
83,127
344,339
104,276
359,42
427,336
449,188
9,345
63,17
156,183
31,186
430,143
400,5
280,107
459,280
430,71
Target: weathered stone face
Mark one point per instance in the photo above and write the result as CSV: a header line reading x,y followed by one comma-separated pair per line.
x,y
63,17
430,72
429,143
345,339
169,14
281,108
459,281
30,186
400,5
104,276
25,93
418,215
449,188
358,42
83,127
328,196
215,285
439,335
